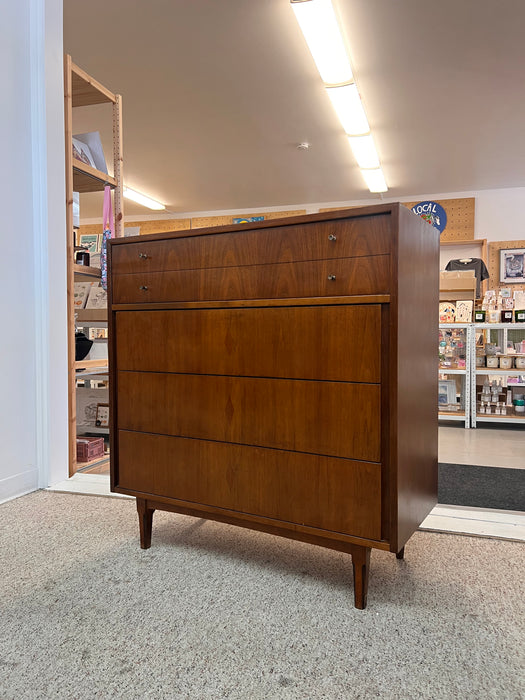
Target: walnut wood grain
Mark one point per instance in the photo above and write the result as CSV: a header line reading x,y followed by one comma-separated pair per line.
x,y
361,567
290,243
145,514
330,418
248,388
319,492
341,277
415,466
326,343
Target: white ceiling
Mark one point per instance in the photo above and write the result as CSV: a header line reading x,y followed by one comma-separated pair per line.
x,y
217,94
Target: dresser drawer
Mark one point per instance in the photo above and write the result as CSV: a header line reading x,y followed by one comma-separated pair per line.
x,y
341,238
331,418
337,343
338,277
338,495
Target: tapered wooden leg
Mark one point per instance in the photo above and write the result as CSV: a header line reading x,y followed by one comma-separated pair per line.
x,y
145,522
361,566
401,554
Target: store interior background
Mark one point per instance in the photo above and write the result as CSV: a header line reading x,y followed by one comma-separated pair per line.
x,y
216,98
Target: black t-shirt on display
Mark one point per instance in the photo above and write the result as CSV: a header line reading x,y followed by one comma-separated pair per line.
x,y
480,270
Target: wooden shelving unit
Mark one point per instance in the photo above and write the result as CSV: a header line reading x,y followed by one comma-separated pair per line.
x,y
81,90
84,273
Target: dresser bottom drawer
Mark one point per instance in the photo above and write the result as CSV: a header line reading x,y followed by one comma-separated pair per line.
x,y
335,494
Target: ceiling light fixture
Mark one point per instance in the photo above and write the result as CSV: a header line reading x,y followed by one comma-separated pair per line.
x,y
142,199
349,109
320,27
364,151
375,180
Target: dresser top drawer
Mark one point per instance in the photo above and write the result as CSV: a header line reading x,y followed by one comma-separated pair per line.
x,y
320,240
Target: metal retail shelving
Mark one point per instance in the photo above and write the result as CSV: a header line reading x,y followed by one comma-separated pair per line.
x,y
471,415
465,373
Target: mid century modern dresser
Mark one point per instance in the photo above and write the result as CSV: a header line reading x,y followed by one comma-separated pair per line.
x,y
280,376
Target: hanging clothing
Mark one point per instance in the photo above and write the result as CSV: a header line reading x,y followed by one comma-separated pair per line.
x,y
107,223
480,270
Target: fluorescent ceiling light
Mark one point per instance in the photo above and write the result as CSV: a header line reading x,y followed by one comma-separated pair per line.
x,y
364,151
142,199
320,28
375,180
347,104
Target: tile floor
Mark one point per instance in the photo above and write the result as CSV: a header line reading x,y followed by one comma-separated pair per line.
x,y
490,446
498,446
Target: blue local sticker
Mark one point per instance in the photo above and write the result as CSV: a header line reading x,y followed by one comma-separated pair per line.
x,y
247,219
433,213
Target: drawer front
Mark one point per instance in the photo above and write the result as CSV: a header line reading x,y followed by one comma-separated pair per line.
x,y
339,495
339,277
329,418
338,343
313,241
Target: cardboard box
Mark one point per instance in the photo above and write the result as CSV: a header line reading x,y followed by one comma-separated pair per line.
x,y
457,285
457,279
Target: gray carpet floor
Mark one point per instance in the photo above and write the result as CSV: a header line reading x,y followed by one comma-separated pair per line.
x,y
214,611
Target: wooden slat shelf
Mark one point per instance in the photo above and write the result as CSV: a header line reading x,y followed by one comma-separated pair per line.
x,y
84,273
81,90
90,315
91,364
87,90
88,179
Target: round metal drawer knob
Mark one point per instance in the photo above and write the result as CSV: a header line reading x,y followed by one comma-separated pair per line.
x,y
332,237
331,277
143,287
144,256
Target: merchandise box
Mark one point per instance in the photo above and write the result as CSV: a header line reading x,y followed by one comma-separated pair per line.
x,y
457,279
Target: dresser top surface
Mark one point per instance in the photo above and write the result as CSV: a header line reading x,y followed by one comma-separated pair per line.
x,y
353,213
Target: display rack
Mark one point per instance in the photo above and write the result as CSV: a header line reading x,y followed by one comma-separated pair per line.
x,y
499,375
458,366
473,375
475,247
81,90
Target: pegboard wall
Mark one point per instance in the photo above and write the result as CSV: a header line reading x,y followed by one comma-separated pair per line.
x,y
204,221
157,226
494,264
460,218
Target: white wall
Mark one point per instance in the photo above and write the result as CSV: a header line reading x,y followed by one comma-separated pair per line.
x,y
32,349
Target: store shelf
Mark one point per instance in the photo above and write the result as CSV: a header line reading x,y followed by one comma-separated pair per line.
x,y
81,90
455,345
91,315
501,326
91,364
87,429
502,372
480,418
452,415
89,179
98,462
85,90
91,368
84,273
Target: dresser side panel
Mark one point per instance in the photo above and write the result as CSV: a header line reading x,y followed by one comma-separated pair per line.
x,y
417,366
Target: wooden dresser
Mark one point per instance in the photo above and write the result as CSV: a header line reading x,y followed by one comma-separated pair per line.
x,y
280,376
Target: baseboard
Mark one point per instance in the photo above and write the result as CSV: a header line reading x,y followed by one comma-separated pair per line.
x,y
18,485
